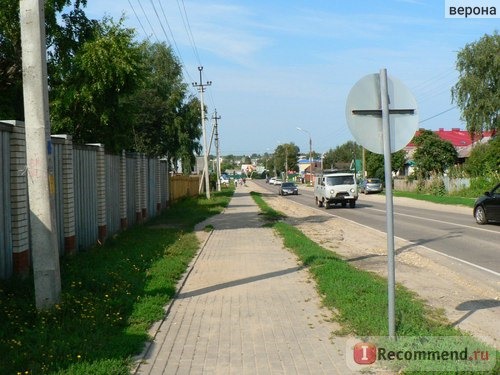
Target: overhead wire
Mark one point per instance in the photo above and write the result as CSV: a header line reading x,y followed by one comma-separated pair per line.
x,y
159,21
187,26
138,19
439,114
186,72
147,19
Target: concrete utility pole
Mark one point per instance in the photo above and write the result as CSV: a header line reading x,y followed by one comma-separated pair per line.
x,y
201,89
217,153
41,185
310,155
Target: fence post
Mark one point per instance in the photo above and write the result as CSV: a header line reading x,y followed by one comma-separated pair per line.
x,y
138,189
158,185
68,195
144,192
19,200
123,191
101,193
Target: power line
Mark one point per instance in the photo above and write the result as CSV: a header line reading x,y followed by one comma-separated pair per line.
x,y
159,20
138,19
187,27
147,19
439,114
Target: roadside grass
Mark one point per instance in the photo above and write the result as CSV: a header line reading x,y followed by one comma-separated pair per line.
x,y
359,298
448,199
111,295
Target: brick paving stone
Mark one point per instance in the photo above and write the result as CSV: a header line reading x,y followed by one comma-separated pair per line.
x,y
246,307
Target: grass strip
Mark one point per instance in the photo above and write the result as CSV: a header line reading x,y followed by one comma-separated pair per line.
x,y
447,199
111,295
358,298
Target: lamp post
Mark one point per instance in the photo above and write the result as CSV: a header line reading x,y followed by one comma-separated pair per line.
x,y
310,153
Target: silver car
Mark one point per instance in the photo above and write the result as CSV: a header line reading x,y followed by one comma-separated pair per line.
x,y
371,185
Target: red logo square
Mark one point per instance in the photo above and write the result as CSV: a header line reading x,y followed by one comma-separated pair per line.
x,y
365,353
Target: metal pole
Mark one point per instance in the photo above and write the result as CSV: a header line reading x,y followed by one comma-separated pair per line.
x,y
41,183
391,280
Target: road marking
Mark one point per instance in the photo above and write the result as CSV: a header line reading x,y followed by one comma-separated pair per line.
x,y
437,221
411,242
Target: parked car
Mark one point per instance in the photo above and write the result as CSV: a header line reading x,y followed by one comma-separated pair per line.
x,y
272,180
287,188
224,180
370,185
487,206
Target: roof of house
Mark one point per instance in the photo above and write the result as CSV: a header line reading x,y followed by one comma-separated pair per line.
x,y
458,137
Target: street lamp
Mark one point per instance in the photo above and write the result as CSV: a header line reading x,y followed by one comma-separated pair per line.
x,y
310,152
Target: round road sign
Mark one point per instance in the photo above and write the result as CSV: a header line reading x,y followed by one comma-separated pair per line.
x,y
364,113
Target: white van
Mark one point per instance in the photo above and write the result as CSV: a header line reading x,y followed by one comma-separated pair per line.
x,y
332,187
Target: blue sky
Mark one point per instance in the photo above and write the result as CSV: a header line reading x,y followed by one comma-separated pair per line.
x,y
276,65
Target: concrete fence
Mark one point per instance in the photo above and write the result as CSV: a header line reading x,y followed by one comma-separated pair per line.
x,y
97,194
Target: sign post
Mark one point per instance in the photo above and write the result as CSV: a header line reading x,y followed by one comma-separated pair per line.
x,y
383,126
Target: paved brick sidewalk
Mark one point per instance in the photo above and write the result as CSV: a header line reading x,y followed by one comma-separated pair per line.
x,y
246,308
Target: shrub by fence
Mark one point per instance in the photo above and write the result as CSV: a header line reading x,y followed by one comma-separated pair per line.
x,y
97,194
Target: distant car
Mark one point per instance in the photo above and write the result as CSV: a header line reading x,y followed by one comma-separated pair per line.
x,y
487,206
278,181
288,188
224,179
371,185
272,180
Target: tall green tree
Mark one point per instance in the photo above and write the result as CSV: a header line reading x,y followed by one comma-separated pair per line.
x,y
58,36
484,159
167,121
342,156
375,163
286,154
92,101
433,155
477,92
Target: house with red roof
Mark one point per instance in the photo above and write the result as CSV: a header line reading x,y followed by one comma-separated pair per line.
x,y
460,139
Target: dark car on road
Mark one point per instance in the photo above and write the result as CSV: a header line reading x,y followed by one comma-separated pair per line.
x,y
287,188
487,206
370,185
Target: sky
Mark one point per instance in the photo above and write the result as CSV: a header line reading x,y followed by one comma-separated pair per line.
x,y
276,65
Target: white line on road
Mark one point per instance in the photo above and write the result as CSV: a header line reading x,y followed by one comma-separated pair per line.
x,y
413,243
437,221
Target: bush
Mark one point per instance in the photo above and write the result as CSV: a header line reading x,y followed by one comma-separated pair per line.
x,y
437,187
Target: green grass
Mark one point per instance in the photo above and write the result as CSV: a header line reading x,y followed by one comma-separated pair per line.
x,y
359,298
269,215
110,297
449,199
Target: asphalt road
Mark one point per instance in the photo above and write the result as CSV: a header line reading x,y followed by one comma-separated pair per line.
x,y
449,232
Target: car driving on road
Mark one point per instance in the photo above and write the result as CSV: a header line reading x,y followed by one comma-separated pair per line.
x,y
487,206
287,188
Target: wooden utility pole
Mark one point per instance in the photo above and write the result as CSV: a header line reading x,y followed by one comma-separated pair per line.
x,y
41,185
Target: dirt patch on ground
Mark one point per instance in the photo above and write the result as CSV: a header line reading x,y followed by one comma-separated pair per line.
x,y
468,304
